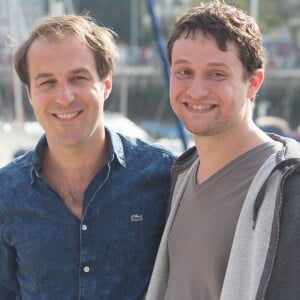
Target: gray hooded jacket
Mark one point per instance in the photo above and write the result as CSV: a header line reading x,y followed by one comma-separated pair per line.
x,y
264,261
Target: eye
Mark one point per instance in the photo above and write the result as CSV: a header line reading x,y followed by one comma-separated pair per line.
x,y
78,78
182,72
48,82
218,75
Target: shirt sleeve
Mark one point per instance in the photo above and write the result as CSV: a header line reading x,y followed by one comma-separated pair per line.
x,y
8,280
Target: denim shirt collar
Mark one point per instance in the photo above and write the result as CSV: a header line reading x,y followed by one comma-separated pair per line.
x,y
115,148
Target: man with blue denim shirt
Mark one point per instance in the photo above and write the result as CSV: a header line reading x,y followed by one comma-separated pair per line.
x,y
81,216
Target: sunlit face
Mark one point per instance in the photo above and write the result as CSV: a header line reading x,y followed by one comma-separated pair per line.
x,y
65,91
208,88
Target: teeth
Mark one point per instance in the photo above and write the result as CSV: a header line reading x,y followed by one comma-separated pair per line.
x,y
200,107
66,116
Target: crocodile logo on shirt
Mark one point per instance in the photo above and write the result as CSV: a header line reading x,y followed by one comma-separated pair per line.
x,y
136,218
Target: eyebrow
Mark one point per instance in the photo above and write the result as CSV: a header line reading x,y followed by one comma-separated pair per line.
x,y
42,75
80,70
211,64
180,61
218,64
46,75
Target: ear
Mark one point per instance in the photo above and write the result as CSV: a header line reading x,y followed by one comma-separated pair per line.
x,y
255,82
107,82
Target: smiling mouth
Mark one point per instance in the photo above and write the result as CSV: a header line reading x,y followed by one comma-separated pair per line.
x,y
67,116
200,107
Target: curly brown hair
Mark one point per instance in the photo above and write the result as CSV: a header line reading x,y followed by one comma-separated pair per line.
x,y
99,39
225,23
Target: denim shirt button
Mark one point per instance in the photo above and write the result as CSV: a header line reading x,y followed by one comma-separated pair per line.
x,y
84,227
86,269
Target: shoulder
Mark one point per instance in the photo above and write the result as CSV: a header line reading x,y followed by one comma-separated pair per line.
x,y
15,175
290,166
187,158
147,149
18,164
291,187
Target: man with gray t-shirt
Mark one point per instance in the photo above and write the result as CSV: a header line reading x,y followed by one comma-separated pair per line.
x,y
234,199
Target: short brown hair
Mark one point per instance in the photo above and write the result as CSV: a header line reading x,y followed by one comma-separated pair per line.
x,y
99,39
225,23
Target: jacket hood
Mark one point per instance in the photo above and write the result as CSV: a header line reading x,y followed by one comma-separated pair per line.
x,y
288,160
288,157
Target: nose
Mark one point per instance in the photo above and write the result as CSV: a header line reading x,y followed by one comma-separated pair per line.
x,y
197,87
64,94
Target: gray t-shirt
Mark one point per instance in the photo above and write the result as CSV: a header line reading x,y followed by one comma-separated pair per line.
x,y
201,236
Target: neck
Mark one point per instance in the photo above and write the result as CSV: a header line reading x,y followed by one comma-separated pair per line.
x,y
85,160
217,151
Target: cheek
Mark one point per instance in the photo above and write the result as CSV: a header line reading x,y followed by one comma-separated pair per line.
x,y
176,87
172,97
174,103
230,90
40,102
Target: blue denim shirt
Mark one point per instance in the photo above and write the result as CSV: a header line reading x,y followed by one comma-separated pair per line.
x,y
47,253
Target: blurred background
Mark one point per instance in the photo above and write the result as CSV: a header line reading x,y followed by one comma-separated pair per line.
x,y
139,102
